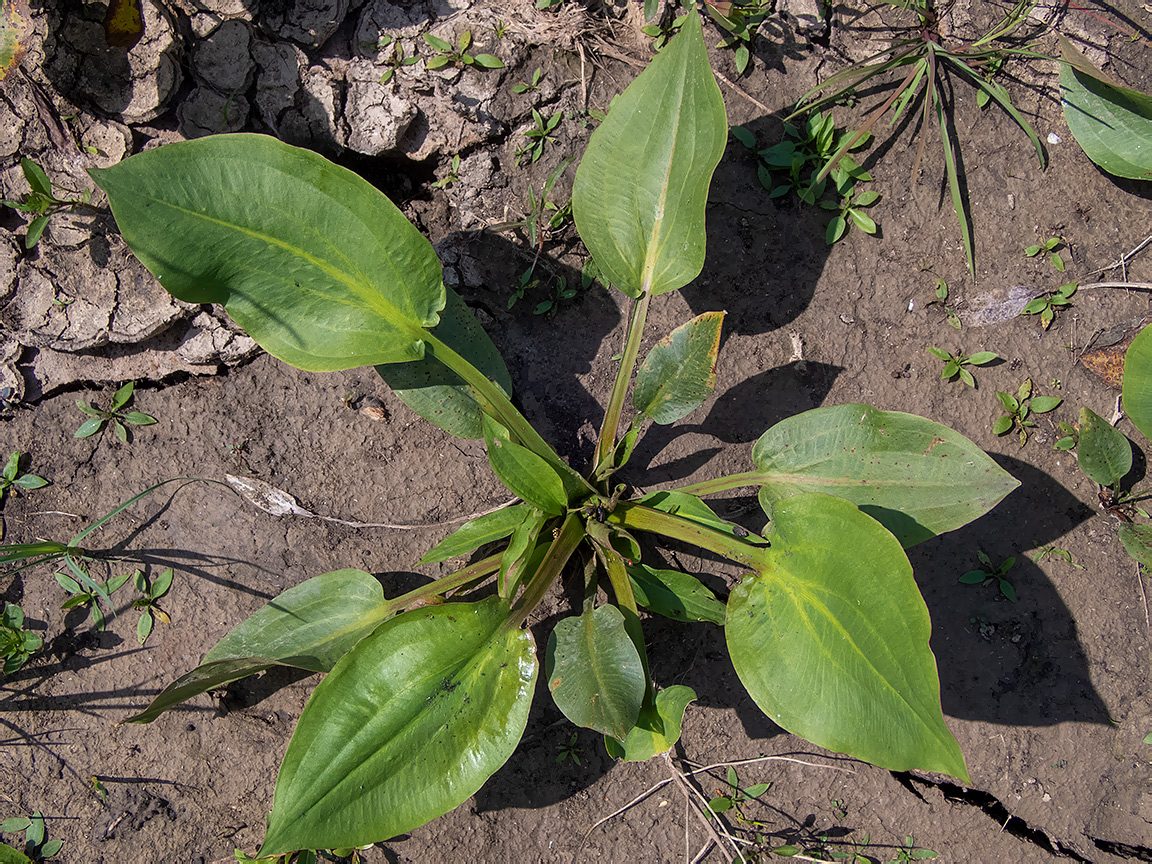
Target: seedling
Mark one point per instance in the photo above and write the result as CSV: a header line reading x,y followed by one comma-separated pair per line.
x,y
12,479
1055,552
932,64
152,594
453,175
955,364
448,686
942,299
1070,436
43,203
661,33
1047,305
539,135
118,418
98,789
393,57
802,155
37,846
1018,408
534,84
569,750
500,28
1052,246
459,57
989,573
16,643
90,599
736,795
851,206
739,28
909,852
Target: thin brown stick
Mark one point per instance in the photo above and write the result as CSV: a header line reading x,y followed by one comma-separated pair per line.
x,y
1123,259
1143,596
1139,286
690,792
766,759
747,96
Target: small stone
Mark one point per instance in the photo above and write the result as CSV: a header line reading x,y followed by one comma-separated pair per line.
x,y
223,60
374,409
1053,138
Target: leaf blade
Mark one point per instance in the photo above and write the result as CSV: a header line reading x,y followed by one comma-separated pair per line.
x,y
679,372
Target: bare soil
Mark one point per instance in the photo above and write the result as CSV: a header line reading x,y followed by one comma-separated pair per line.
x,y
1048,696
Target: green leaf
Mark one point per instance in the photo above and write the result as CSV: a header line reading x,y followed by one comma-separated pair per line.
x,y
1111,123
89,427
867,199
1008,401
474,534
973,577
1105,454
594,672
916,477
408,725
320,268
309,626
690,507
1002,424
667,715
939,353
1037,305
437,43
14,824
489,61
641,189
33,173
966,377
35,230
1044,404
951,368
8,855
120,397
437,393
674,594
831,639
1137,382
438,62
523,472
744,136
980,358
835,230
120,430
679,372
29,482
144,626
863,221
136,418
1033,250
162,584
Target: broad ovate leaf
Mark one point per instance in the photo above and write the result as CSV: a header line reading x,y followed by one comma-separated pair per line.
x,y
309,626
1138,381
319,267
408,725
522,471
1105,454
918,478
475,533
1137,540
641,188
679,372
437,393
643,742
595,673
830,637
1112,124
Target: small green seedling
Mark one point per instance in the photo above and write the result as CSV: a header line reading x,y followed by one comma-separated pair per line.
x,y
739,28
539,135
1047,305
736,795
1070,437
979,577
500,28
98,417
534,84
16,643
393,57
802,156
1148,738
1052,246
662,32
942,300
152,594
37,846
348,855
90,598
910,852
1058,553
851,212
569,750
453,175
1018,408
459,57
954,364
11,478
42,202
98,789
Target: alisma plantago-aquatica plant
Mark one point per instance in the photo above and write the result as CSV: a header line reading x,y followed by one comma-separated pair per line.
x,y
421,704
